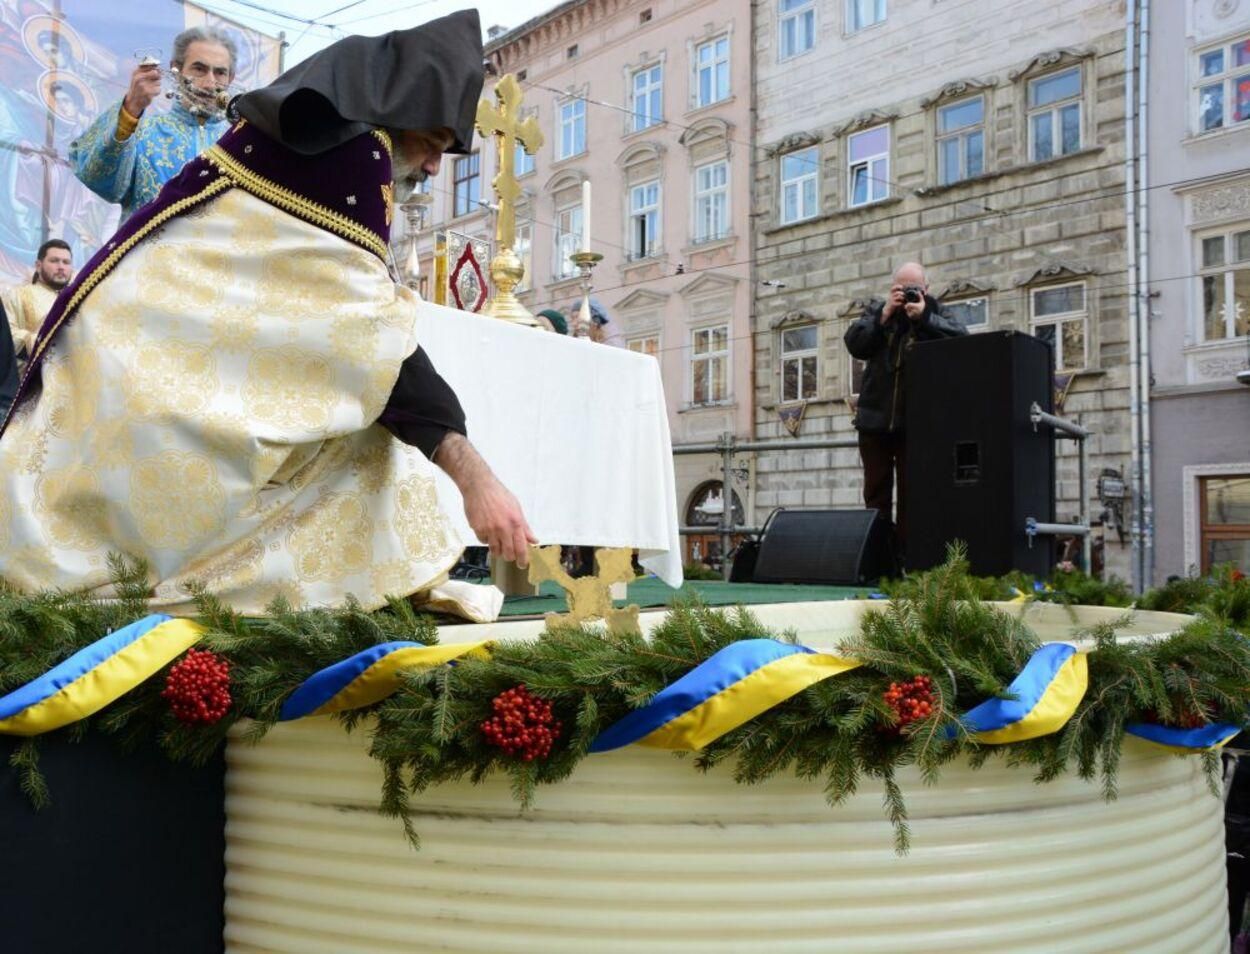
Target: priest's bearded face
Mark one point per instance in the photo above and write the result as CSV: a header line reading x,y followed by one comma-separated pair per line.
x,y
418,155
55,268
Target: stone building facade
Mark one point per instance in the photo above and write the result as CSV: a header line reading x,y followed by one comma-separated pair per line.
x,y
995,157
649,101
1198,278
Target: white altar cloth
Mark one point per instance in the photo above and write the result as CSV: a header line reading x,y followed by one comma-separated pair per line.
x,y
577,430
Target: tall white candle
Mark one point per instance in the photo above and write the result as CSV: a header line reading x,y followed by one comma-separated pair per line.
x,y
585,216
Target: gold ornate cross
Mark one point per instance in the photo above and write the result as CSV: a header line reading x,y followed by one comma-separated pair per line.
x,y
504,122
589,597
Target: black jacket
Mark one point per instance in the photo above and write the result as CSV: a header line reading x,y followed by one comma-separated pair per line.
x,y
884,348
8,366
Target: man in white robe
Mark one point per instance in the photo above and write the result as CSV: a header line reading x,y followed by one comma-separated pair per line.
x,y
206,396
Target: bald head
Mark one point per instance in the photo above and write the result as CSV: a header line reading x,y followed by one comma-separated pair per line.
x,y
910,273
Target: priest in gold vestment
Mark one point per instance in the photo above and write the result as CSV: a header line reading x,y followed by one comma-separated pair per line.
x,y
26,305
232,390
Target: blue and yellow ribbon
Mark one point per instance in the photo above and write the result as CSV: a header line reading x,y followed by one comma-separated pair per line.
x,y
367,677
96,675
1184,741
729,688
1046,694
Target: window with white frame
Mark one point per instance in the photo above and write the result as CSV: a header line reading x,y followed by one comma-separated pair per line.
x,y
1224,283
868,155
961,140
855,377
644,219
711,201
711,72
798,363
466,174
800,189
972,313
709,365
523,162
647,97
796,27
568,235
1059,317
647,344
1054,107
863,13
1223,85
572,140
523,245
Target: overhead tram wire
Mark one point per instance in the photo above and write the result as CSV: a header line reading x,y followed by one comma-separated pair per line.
x,y
388,13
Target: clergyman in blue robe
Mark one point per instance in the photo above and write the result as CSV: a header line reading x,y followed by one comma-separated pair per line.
x,y
127,154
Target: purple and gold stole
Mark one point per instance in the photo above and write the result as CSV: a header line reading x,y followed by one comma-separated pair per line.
x,y
345,190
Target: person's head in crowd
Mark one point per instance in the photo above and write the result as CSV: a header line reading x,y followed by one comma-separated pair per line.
x,y
54,264
206,58
911,274
599,321
559,324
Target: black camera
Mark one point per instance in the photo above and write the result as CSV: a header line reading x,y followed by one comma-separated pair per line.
x,y
913,293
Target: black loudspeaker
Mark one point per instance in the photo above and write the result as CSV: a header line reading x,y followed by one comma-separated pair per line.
x,y
976,468
847,547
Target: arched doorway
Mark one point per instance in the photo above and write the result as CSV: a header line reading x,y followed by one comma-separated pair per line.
x,y
704,509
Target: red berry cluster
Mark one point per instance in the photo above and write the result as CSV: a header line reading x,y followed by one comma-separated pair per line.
x,y
1183,717
522,724
912,700
198,688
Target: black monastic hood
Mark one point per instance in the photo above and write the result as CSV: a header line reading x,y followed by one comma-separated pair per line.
x,y
423,78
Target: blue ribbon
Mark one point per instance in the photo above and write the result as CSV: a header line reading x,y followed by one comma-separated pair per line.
x,y
76,666
1203,737
1028,688
325,684
715,674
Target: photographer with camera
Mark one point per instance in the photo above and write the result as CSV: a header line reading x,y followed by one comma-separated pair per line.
x,y
882,339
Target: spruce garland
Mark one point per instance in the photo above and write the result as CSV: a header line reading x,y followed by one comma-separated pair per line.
x,y
837,733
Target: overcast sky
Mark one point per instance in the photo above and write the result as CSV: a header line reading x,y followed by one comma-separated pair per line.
x,y
339,18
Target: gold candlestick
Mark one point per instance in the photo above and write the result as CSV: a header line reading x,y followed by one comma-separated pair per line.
x,y
585,262
504,123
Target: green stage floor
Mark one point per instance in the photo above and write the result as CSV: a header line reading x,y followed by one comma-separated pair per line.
x,y
650,591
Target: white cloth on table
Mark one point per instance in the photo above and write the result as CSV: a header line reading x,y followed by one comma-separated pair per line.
x,y
577,431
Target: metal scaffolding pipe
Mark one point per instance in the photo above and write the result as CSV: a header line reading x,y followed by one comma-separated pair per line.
x,y
1068,428
742,447
1033,528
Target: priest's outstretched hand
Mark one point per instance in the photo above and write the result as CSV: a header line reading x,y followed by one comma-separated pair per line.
x,y
492,511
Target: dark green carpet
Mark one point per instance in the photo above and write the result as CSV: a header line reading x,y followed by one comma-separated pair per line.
x,y
652,592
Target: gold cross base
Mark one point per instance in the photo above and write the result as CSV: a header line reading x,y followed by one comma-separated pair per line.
x,y
589,597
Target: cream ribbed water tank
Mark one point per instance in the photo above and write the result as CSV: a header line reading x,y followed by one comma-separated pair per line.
x,y
639,852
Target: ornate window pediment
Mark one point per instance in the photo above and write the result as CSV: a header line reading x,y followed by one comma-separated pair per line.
x,y
1054,272
565,179
799,140
1051,59
871,117
706,130
640,152
957,90
855,308
964,288
641,300
708,283
792,318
